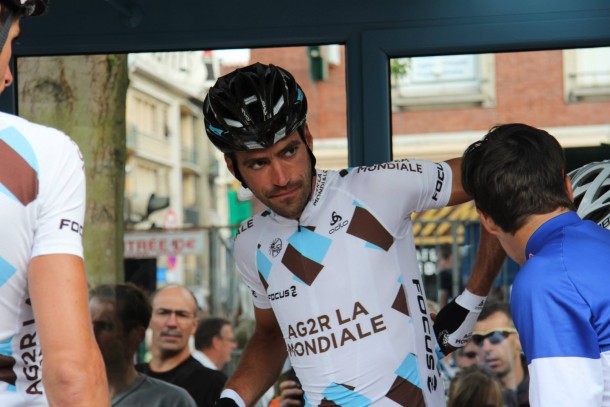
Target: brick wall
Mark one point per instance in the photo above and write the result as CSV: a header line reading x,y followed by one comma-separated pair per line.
x,y
529,89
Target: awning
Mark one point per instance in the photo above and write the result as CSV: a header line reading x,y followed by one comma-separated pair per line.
x,y
437,226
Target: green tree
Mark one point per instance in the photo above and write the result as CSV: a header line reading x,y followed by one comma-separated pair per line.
x,y
85,97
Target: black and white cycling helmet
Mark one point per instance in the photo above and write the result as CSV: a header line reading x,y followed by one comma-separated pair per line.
x,y
591,187
253,107
27,8
20,9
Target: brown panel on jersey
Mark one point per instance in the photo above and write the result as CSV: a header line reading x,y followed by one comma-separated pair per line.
x,y
400,302
6,370
265,284
366,227
406,393
327,403
299,265
17,175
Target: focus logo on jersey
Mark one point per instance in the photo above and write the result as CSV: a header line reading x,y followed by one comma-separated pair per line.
x,y
439,182
289,292
71,225
428,332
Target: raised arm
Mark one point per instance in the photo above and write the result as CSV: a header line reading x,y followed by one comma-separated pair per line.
x,y
74,372
454,323
263,358
458,195
490,256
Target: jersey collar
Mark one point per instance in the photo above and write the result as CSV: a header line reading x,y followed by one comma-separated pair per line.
x,y
539,238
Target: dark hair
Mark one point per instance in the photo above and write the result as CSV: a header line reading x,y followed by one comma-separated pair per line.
x,y
207,329
475,386
132,305
493,306
515,171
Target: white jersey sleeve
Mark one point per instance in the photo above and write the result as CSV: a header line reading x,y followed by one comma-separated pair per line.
x,y
62,212
244,260
404,186
42,207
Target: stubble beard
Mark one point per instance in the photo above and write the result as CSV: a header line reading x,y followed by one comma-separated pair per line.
x,y
293,208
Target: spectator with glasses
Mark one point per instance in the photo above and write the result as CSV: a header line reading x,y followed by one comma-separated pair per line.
x,y
173,322
500,351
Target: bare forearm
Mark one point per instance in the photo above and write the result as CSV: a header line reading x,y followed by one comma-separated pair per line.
x,y
76,382
259,367
489,259
73,370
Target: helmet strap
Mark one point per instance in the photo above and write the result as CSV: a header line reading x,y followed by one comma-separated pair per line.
x,y
236,172
6,27
301,130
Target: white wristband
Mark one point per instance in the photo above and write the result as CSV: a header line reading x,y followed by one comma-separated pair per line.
x,y
232,394
470,301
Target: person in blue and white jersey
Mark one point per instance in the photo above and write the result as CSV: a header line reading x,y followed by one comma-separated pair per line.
x,y
48,353
331,263
559,301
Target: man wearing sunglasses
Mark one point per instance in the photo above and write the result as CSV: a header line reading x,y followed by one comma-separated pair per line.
x,y
500,351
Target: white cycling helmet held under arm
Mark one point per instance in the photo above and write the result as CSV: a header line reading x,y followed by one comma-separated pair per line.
x,y
591,187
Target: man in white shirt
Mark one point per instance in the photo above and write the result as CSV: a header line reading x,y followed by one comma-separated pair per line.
x,y
214,342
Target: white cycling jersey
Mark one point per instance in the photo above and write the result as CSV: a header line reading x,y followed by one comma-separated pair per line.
x,y
42,206
333,280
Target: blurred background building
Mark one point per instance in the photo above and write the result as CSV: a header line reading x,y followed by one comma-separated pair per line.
x,y
440,104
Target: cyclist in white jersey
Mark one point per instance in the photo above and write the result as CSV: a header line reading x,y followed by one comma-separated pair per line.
x,y
43,291
331,263
559,300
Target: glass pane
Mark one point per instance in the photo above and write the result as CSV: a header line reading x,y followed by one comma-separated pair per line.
x,y
168,155
441,104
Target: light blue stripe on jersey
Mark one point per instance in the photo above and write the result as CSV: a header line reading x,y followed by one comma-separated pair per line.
x,y
342,396
310,244
409,371
18,143
372,246
263,264
7,270
6,348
